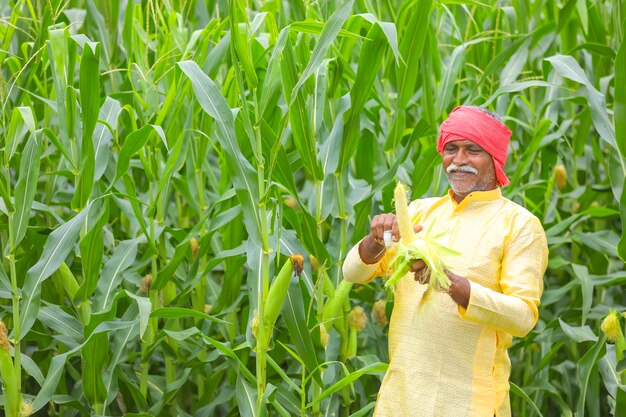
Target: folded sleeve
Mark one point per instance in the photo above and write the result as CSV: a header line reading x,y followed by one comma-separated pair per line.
x,y
514,309
357,271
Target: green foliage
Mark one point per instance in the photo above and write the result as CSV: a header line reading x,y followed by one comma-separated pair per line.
x,y
162,159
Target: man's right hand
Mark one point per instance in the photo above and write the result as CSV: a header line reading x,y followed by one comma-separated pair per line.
x,y
372,248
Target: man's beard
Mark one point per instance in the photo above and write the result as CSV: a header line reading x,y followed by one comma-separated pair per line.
x,y
483,183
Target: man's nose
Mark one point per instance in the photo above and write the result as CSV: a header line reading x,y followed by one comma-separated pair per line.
x,y
460,157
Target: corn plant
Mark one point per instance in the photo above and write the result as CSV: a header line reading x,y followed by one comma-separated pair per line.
x,y
164,163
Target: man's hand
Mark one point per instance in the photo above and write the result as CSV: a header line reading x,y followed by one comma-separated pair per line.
x,y
372,248
420,271
459,289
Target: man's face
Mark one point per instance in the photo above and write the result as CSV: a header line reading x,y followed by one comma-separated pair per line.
x,y
468,167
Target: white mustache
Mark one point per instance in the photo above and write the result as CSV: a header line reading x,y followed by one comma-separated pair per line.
x,y
462,168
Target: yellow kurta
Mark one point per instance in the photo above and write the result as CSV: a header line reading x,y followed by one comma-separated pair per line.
x,y
446,361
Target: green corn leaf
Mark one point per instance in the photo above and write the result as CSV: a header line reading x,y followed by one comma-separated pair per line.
x,y
55,370
22,119
102,136
373,368
93,356
314,27
243,175
91,250
133,143
246,398
6,199
229,353
586,286
111,275
427,100
271,83
90,105
327,37
295,319
59,146
176,313
583,371
370,62
26,187
520,392
578,334
239,36
449,81
567,67
364,411
170,391
619,117
175,161
299,115
514,87
58,245
10,31
411,46
55,318
31,368
144,307
60,56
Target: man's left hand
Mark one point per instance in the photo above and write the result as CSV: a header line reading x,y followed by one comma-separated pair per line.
x,y
459,289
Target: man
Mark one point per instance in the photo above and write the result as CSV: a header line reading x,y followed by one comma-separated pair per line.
x,y
448,352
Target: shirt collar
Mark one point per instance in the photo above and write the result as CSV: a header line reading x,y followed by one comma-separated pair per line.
x,y
475,196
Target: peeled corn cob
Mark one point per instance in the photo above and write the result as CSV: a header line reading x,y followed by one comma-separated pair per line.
x,y
413,246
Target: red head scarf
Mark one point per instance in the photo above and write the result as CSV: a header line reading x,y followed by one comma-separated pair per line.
x,y
469,123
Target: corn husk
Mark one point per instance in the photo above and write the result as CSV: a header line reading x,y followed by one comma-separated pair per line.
x,y
278,290
412,247
9,385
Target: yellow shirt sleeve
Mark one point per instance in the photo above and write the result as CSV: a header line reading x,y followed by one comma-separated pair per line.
x,y
357,271
524,262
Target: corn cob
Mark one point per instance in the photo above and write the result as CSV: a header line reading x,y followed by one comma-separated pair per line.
x,y
333,308
412,247
277,293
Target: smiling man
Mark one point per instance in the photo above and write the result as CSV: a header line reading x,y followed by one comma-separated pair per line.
x,y
448,352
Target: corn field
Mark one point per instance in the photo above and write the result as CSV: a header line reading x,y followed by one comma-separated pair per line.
x,y
181,181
